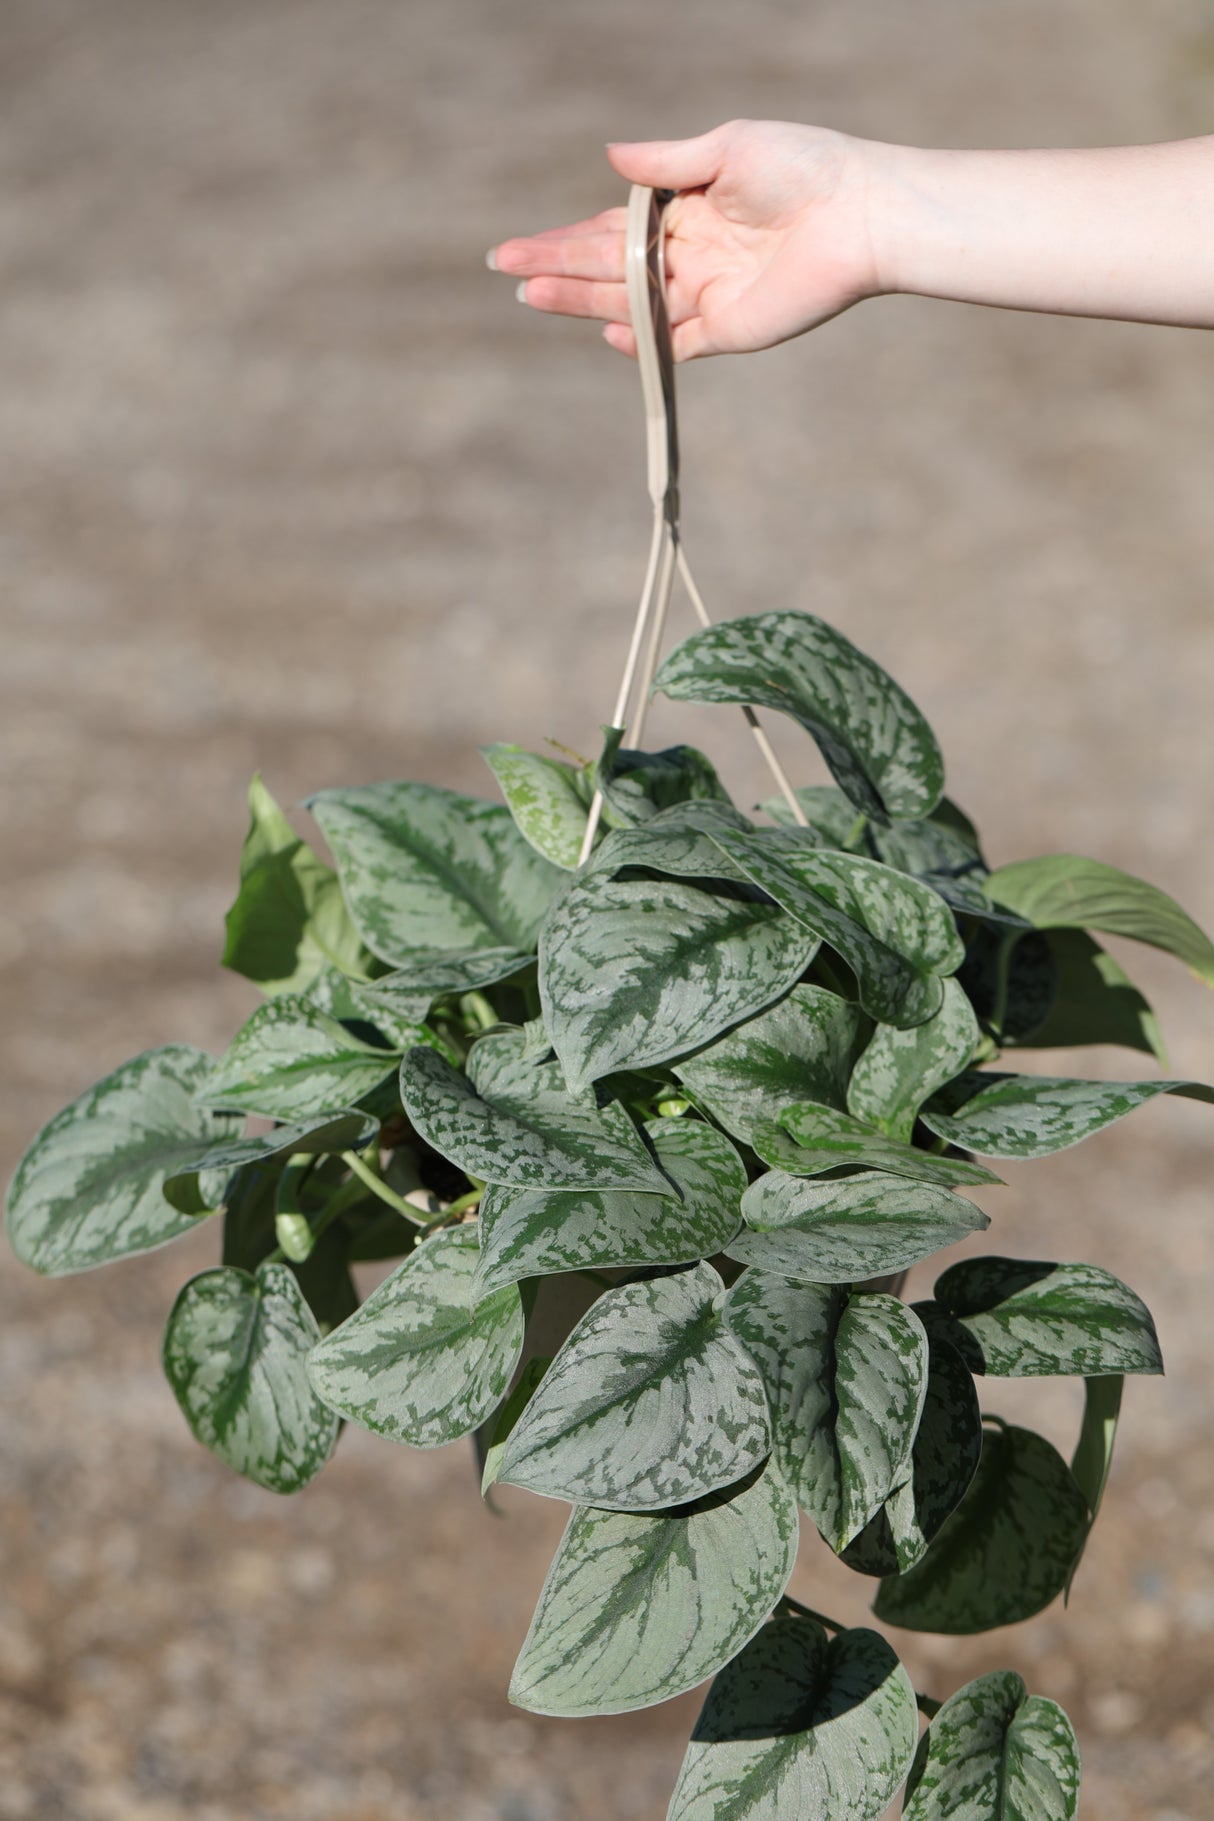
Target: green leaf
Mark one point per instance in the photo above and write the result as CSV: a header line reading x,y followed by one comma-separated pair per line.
x,y
880,749
896,935
511,1120
1095,1001
417,1363
638,785
548,799
427,868
811,1139
394,1016
635,973
680,843
290,1059
650,1402
289,920
1035,1115
901,1069
200,1188
846,1375
858,1226
235,1352
943,845
944,1459
1093,1455
798,1729
90,1187
637,1609
494,1433
805,1044
1029,1320
1064,891
1010,977
1005,1552
426,974
994,1754
534,1233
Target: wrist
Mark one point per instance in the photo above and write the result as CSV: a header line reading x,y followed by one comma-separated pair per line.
x,y
895,216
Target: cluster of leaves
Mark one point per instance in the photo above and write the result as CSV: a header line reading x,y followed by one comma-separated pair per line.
x,y
718,1089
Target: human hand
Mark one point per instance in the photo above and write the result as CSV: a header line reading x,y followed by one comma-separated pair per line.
x,y
769,236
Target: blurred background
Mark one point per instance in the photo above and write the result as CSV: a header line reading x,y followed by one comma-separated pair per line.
x,y
289,482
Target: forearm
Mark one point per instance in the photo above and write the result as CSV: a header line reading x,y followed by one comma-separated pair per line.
x,y
1126,232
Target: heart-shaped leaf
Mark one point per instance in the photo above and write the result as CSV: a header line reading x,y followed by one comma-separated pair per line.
x,y
388,1021
810,1139
290,1059
424,868
638,785
1029,1320
511,1120
897,936
531,1233
235,1353
901,1069
651,1402
635,972
1094,1001
846,1376
1007,1549
803,1046
995,1753
943,845
1035,1115
417,1363
202,1188
854,1227
798,1727
548,799
880,749
90,1187
637,1609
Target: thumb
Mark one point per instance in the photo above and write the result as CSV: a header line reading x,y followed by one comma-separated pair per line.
x,y
670,164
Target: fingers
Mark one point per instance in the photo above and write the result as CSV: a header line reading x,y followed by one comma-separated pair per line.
x,y
621,338
576,297
671,164
595,255
520,254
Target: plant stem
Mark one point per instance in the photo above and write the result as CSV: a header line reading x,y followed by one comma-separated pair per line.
x,y
378,1186
476,1007
462,1205
854,833
807,1612
927,1707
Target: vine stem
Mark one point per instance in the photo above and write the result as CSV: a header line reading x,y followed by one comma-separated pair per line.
x,y
807,1612
378,1186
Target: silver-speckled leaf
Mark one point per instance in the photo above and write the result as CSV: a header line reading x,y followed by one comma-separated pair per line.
x,y
678,842
637,1609
427,868
650,1402
810,1139
846,1376
90,1187
394,1016
637,786
235,1353
878,746
1035,1115
200,1188
548,799
417,1363
1005,1552
426,974
291,1059
1065,891
803,1047
897,935
511,1120
901,1069
530,1233
995,1753
944,1459
635,972
799,1729
1027,1320
854,1227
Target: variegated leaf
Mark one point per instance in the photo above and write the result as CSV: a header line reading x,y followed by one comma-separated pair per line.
x,y
290,1059
1006,1550
880,749
799,1729
802,1047
810,1139
1035,1115
201,1187
897,936
1026,1320
424,868
635,972
995,1753
638,785
846,1375
853,1227
533,1233
548,799
235,1353
511,1120
90,1187
425,974
901,1069
638,1608
395,1017
651,1402
417,1363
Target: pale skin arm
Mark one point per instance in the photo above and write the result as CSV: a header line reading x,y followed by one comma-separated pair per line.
x,y
779,227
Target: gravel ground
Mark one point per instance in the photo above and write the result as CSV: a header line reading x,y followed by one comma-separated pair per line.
x,y
287,482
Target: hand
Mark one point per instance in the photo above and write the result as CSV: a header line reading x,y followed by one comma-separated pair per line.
x,y
768,236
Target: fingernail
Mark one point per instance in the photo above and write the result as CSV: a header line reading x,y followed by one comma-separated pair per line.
x,y
520,290
491,259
